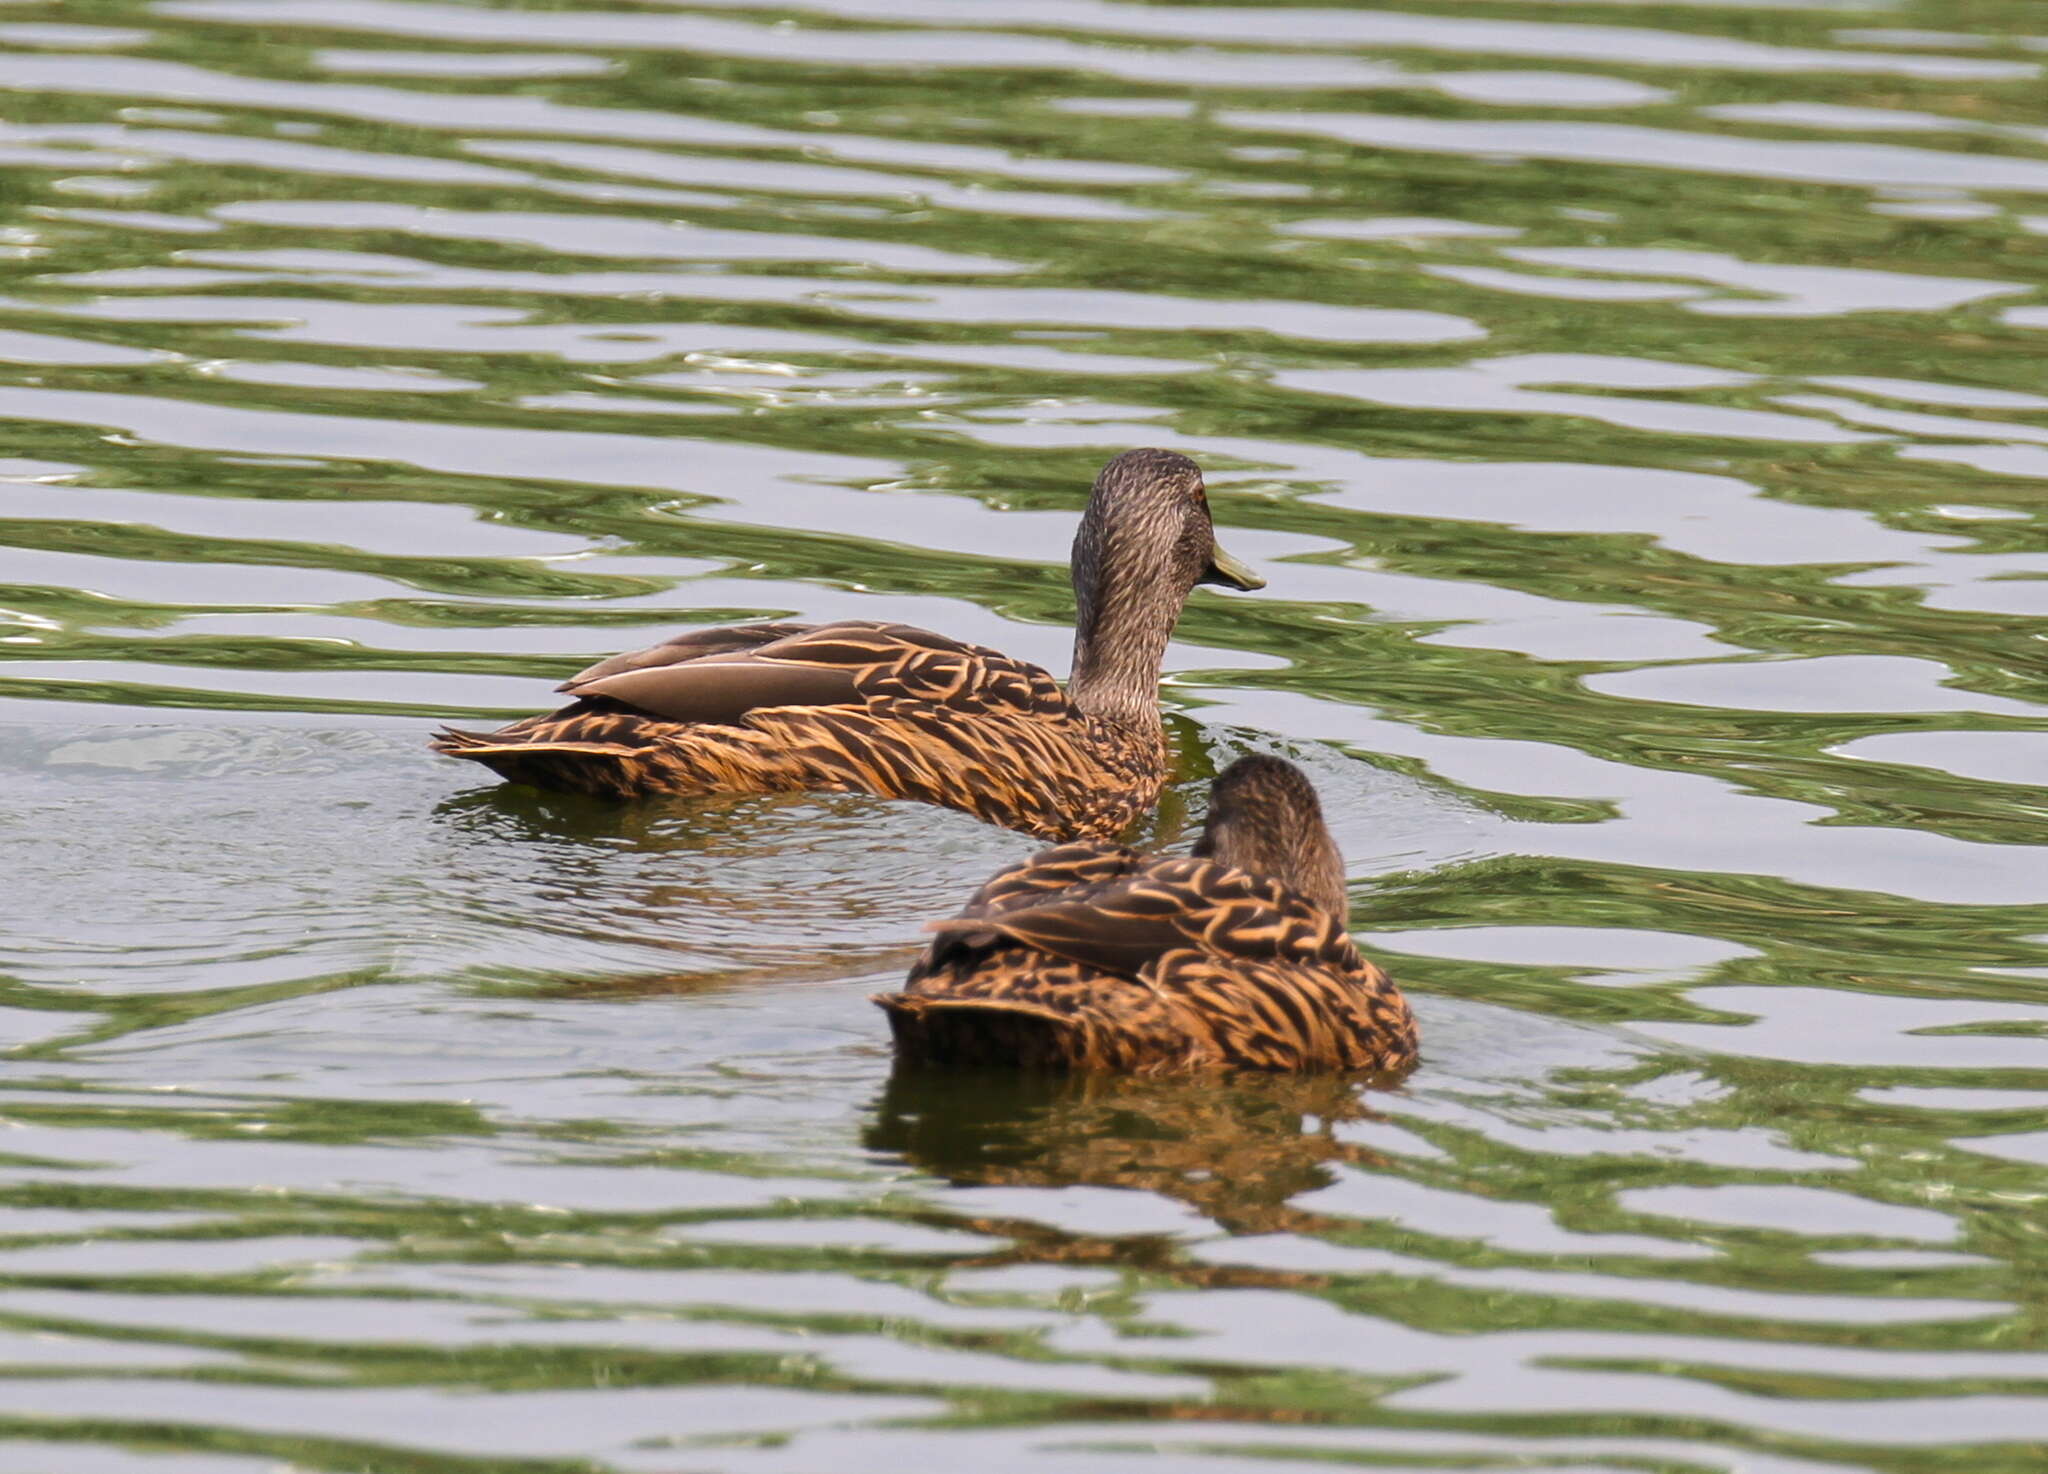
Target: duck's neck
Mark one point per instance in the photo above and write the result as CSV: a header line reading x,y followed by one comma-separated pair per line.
x,y
1121,627
1294,849
1264,819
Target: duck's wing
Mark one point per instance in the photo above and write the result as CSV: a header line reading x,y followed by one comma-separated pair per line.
x,y
725,639
1069,873
1065,872
916,665
719,675
1121,925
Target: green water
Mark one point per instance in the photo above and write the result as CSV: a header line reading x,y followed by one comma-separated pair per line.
x,y
1638,413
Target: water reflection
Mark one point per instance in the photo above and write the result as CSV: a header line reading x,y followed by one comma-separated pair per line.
x,y
1237,1148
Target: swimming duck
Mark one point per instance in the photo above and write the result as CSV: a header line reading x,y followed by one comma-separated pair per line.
x,y
1095,957
866,707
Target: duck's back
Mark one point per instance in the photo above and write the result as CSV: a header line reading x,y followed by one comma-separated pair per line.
x,y
1096,958
855,707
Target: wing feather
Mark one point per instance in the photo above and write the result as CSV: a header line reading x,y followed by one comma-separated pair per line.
x,y
690,646
1059,871
1122,924
718,676
723,688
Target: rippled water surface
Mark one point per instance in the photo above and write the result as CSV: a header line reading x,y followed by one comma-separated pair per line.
x,y
1638,411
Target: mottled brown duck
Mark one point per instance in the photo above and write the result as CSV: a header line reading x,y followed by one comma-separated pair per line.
x,y
864,707
1092,956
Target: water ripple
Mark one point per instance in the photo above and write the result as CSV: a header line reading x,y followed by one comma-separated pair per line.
x,y
1636,412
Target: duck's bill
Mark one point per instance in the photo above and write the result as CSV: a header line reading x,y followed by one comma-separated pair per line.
x,y
1227,571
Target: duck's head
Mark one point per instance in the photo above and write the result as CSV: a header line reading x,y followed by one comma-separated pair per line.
x,y
1148,513
1265,820
1145,541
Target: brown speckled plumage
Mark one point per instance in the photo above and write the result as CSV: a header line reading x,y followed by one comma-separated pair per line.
x,y
886,709
1095,957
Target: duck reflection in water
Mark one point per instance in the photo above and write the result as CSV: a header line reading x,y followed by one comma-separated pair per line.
x,y
1236,1147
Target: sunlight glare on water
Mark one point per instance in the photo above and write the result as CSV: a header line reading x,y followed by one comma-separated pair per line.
x,y
1636,411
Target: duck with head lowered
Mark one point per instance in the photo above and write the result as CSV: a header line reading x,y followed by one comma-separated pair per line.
x,y
858,706
1094,957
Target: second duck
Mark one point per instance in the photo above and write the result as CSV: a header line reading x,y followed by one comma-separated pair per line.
x,y
1095,957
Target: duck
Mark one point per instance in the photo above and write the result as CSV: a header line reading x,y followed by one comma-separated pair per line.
x,y
1096,957
899,712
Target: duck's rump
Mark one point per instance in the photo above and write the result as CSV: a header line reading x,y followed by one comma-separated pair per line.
x,y
607,750
1189,1010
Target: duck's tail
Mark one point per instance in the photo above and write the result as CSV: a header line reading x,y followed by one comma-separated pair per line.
x,y
980,1033
606,769
481,745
